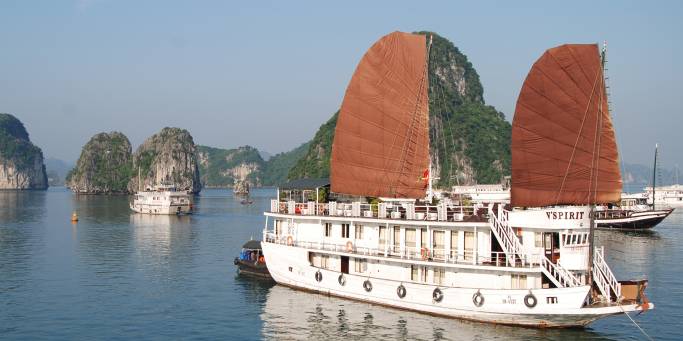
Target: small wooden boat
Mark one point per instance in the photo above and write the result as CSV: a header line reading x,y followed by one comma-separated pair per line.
x,y
251,260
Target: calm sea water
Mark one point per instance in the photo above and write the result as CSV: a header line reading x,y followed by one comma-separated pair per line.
x,y
119,275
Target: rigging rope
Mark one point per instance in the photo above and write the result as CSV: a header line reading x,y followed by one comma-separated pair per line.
x,y
636,324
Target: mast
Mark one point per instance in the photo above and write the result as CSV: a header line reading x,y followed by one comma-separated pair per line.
x,y
591,226
654,178
139,180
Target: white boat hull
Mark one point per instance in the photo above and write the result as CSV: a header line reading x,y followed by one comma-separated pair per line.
x,y
289,266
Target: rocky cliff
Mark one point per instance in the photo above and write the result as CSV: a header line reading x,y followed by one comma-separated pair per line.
x,y
469,140
226,167
104,167
168,156
21,162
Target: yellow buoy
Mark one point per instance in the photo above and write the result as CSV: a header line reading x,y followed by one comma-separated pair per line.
x,y
74,217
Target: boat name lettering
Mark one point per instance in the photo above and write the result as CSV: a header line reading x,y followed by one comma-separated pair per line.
x,y
509,300
564,215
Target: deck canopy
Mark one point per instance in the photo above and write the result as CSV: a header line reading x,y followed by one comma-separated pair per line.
x,y
381,141
563,146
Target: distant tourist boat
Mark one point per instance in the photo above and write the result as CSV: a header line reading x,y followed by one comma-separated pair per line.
x,y
163,199
251,260
534,264
634,213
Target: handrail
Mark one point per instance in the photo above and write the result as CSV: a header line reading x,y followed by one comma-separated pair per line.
x,y
509,242
604,277
559,275
409,253
440,212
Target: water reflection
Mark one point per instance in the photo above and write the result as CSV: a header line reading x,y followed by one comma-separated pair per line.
x,y
164,244
292,314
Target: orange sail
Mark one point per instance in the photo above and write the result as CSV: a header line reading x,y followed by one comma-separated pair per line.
x,y
381,141
563,146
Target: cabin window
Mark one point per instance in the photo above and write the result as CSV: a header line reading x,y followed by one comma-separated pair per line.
x,y
360,265
469,245
413,272
382,237
454,244
397,238
551,300
423,274
278,227
345,228
518,281
438,245
359,231
424,241
410,239
518,233
439,275
538,239
319,261
328,229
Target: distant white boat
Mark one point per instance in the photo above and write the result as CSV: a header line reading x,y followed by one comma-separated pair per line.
x,y
671,196
163,199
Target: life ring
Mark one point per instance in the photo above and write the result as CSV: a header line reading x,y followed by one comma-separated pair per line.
x,y
401,291
349,246
261,259
478,299
341,279
437,295
290,241
424,253
367,285
318,276
530,300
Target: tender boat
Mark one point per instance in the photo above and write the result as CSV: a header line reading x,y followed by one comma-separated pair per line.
x,y
163,199
534,264
251,260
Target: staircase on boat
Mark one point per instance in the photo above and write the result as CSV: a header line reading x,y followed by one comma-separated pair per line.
x,y
605,280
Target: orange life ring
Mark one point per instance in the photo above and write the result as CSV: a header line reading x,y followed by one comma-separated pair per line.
x,y
290,241
349,246
424,253
261,259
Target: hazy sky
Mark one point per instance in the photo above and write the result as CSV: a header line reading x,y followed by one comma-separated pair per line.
x,y
269,74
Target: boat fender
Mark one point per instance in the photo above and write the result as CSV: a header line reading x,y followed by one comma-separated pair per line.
x,y
401,291
341,279
530,300
290,241
349,246
437,295
235,261
367,285
478,299
318,276
424,253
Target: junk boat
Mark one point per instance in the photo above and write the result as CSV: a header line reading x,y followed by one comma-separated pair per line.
x,y
162,199
534,264
251,260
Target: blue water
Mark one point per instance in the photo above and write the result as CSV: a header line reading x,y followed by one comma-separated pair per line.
x,y
119,275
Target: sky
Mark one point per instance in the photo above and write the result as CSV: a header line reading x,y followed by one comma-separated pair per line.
x,y
269,73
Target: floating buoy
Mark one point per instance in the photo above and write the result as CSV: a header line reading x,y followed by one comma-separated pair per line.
x,y
74,217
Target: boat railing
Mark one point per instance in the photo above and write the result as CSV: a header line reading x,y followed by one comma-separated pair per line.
x,y
410,211
558,274
434,255
603,275
507,238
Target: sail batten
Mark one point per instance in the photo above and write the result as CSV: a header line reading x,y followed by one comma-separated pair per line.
x,y
563,145
381,142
